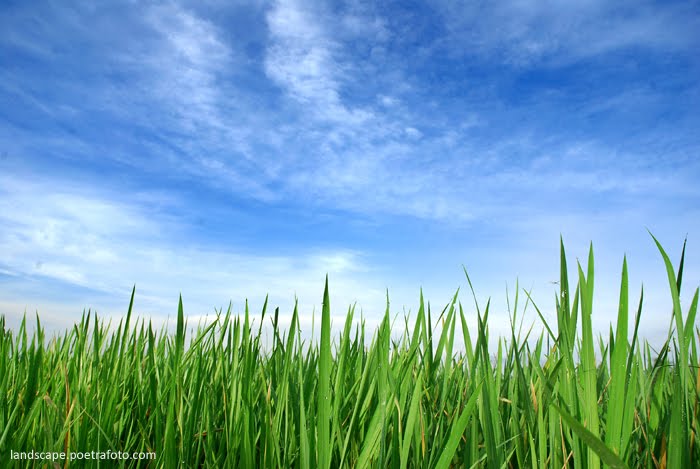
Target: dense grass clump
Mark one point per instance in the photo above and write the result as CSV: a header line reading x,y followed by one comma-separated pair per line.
x,y
220,399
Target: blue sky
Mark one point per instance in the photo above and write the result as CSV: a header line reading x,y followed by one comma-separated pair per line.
x,y
227,150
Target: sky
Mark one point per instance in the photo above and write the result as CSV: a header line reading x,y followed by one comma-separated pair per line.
x,y
227,150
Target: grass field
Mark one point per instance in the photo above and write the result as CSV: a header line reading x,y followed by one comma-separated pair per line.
x,y
563,398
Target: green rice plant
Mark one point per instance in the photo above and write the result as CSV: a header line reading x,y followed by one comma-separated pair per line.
x,y
426,393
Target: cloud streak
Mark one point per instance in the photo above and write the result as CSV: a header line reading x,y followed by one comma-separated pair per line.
x,y
526,33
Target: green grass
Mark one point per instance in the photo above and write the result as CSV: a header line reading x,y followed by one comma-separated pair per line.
x,y
413,397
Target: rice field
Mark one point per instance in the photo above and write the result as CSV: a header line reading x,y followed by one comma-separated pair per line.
x,y
560,398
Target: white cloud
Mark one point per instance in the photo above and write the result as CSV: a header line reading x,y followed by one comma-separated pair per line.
x,y
523,33
175,86
413,133
105,243
388,101
302,59
186,62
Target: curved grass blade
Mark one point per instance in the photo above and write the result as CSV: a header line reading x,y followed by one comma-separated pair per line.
x,y
592,441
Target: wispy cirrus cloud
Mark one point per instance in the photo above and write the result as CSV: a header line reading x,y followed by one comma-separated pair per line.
x,y
157,89
524,33
180,86
309,63
103,243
